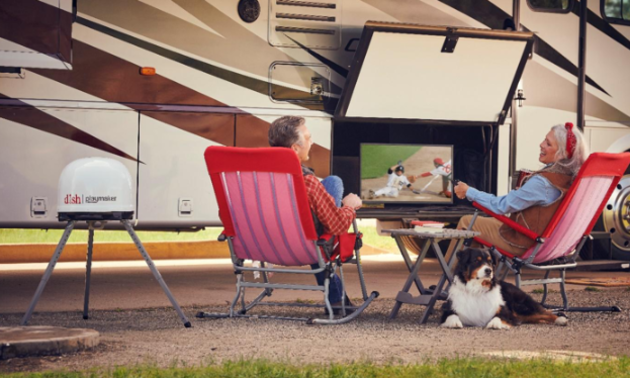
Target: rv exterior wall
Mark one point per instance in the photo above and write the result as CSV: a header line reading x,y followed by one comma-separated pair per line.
x,y
212,88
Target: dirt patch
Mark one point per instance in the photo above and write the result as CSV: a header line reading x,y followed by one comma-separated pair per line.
x,y
156,336
416,164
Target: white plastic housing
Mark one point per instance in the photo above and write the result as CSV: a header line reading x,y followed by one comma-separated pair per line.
x,y
95,185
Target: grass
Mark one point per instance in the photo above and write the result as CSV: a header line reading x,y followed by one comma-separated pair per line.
x,y
591,288
371,237
489,368
13,236
377,159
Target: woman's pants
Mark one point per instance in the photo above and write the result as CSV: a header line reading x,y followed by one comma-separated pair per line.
x,y
489,228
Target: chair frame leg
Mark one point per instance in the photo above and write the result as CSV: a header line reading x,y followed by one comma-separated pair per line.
x,y
563,292
239,278
357,256
331,267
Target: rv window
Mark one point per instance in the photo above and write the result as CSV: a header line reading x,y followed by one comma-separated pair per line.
x,y
557,6
616,11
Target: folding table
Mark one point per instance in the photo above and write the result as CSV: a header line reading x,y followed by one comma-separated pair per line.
x,y
426,298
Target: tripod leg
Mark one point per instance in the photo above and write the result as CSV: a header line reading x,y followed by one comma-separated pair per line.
x,y
88,272
155,272
48,272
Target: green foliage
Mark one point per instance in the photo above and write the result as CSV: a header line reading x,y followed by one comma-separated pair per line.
x,y
377,159
372,238
538,291
591,288
469,367
13,236
619,9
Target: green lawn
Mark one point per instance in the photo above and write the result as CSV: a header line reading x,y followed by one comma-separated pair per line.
x,y
377,159
488,368
13,236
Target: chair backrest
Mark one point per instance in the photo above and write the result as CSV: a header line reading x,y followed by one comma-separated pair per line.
x,y
263,204
582,205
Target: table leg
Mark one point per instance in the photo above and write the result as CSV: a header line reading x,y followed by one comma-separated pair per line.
x,y
446,268
447,275
405,255
413,276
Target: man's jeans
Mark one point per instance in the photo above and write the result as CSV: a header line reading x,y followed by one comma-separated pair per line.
x,y
334,187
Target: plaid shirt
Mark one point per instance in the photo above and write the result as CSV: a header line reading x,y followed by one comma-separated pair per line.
x,y
336,220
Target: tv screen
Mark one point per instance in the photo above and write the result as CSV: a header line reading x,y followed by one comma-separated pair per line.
x,y
406,173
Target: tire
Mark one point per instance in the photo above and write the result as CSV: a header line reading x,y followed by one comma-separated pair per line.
x,y
615,219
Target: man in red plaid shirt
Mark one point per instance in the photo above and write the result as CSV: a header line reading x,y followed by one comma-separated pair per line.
x,y
334,215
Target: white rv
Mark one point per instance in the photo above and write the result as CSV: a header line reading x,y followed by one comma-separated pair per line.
x,y
72,85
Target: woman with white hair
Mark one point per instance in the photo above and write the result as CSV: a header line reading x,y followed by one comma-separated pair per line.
x,y
532,205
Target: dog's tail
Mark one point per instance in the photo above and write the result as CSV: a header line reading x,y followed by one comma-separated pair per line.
x,y
545,316
561,319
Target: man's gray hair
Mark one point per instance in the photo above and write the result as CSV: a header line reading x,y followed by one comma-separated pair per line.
x,y
283,132
580,152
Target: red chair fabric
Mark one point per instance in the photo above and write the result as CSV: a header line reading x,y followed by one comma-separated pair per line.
x,y
264,206
344,245
578,211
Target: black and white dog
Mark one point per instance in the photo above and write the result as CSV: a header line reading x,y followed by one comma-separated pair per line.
x,y
477,299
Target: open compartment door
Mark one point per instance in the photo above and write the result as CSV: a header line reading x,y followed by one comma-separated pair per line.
x,y
36,34
433,75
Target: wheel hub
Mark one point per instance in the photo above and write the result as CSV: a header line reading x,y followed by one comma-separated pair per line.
x,y
616,215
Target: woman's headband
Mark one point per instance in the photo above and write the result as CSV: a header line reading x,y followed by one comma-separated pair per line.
x,y
571,140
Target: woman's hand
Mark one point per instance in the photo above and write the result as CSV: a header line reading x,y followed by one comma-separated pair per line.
x,y
461,189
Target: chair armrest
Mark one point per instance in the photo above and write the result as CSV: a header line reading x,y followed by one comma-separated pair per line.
x,y
515,226
326,239
327,243
222,237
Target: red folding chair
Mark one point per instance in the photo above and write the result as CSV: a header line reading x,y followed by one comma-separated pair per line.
x,y
266,217
558,246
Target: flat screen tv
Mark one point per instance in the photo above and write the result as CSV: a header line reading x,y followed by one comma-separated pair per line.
x,y
406,173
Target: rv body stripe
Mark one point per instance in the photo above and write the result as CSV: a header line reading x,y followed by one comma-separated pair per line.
x,y
31,116
603,26
334,66
244,81
93,72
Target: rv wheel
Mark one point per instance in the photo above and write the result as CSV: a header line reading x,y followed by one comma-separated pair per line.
x,y
615,219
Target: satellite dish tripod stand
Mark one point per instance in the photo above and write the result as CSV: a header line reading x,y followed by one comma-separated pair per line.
x,y
88,269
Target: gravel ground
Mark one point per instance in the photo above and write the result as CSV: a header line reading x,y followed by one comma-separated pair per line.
x,y
155,336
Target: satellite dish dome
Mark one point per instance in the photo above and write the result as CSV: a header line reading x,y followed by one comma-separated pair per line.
x,y
95,189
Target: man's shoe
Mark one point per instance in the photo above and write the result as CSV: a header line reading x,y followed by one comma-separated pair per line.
x,y
371,194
